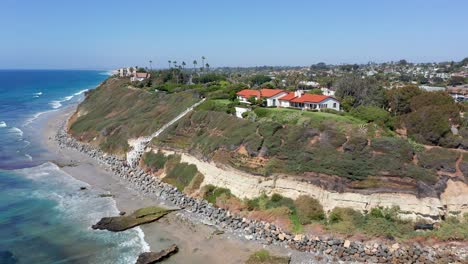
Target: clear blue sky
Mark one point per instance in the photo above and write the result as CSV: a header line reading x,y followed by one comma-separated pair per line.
x,y
107,34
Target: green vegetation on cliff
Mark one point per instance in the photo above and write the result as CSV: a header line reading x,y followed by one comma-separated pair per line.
x,y
113,113
296,143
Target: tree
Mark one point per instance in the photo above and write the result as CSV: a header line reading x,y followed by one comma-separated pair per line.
x,y
203,62
195,64
431,117
259,79
252,100
399,99
403,62
364,91
151,67
316,91
207,66
170,62
456,80
183,65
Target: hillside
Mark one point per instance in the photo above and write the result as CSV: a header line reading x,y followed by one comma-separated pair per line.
x,y
335,152
115,112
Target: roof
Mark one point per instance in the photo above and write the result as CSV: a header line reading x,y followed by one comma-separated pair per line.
x,y
142,75
246,93
288,97
311,98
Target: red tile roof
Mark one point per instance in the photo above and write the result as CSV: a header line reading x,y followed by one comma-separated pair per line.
x,y
310,98
270,92
247,93
288,97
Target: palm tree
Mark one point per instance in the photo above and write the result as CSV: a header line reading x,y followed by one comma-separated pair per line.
x,y
195,64
175,64
151,67
170,62
207,67
203,62
183,65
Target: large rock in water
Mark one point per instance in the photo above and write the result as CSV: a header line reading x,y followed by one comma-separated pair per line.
x,y
152,257
139,217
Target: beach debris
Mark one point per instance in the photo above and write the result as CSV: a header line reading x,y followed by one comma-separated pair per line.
x,y
82,188
122,213
139,217
155,257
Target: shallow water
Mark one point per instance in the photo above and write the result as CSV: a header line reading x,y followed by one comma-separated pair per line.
x,y
44,216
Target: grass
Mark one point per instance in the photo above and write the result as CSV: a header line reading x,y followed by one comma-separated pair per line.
x,y
298,117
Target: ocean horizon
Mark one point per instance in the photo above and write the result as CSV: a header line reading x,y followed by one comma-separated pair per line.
x,y
41,207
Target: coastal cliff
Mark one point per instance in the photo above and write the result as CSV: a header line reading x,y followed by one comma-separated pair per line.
x,y
452,202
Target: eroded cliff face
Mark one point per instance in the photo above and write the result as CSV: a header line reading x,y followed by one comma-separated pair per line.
x,y
452,202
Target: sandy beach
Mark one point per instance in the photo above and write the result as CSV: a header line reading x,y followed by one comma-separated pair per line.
x,y
197,242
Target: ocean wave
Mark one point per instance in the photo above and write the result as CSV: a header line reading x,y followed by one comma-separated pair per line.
x,y
107,73
56,104
83,209
29,157
68,98
34,117
17,131
3,124
81,92
39,93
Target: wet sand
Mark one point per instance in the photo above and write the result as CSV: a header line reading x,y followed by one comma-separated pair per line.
x,y
196,241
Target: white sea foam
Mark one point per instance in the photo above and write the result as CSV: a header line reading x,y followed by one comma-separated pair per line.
x,y
39,93
34,117
83,209
56,104
68,98
28,156
17,131
80,92
2,124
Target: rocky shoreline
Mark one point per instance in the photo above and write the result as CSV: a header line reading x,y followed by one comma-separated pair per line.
x,y
266,233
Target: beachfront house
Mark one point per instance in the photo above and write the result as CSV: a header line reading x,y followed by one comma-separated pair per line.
x,y
140,76
297,99
271,96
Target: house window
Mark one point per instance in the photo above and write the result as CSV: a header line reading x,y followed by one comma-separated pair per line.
x,y
334,105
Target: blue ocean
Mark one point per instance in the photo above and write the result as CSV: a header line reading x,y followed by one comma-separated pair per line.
x,y
43,218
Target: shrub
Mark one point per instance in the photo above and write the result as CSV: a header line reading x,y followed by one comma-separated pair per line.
x,y
181,175
154,161
371,114
211,193
308,209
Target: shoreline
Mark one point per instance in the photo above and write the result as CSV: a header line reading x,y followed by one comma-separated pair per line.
x,y
198,242
199,220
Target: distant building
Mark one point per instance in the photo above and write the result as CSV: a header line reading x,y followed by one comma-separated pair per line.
x,y
328,91
432,88
459,93
140,76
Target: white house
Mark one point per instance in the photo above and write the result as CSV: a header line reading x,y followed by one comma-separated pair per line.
x,y
270,95
297,99
327,91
